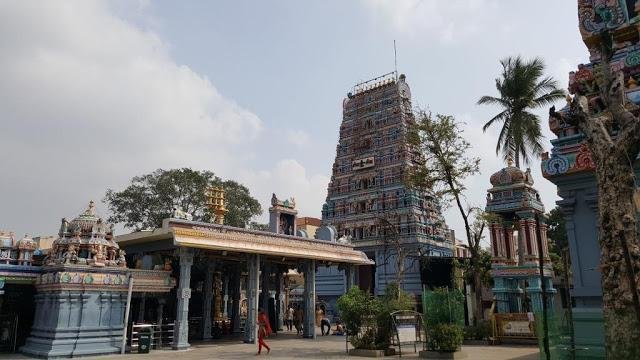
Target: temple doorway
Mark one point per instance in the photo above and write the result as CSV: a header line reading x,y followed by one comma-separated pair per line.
x,y
17,307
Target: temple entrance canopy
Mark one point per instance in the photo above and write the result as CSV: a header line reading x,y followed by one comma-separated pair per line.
x,y
226,274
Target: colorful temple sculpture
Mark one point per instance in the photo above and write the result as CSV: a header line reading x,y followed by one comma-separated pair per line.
x,y
571,167
226,273
82,291
368,194
518,212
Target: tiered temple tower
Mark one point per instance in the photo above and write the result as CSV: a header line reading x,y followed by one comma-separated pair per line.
x,y
514,243
368,191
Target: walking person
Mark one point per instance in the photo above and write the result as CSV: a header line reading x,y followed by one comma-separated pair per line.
x,y
289,318
264,329
298,318
325,322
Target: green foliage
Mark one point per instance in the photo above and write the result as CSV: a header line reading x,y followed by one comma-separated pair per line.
x,y
355,306
521,88
481,331
150,198
558,242
445,152
483,267
443,306
254,225
445,337
367,318
394,299
366,340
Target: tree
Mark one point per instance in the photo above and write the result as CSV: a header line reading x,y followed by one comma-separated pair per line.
x,y
442,152
521,89
150,198
394,248
558,243
612,134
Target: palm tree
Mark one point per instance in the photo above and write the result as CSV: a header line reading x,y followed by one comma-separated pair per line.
x,y
521,89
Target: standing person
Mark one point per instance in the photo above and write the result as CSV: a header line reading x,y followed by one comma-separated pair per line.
x,y
325,322
298,318
289,318
319,315
264,329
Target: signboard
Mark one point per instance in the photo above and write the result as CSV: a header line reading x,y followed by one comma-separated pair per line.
x,y
515,325
406,334
363,163
515,328
408,328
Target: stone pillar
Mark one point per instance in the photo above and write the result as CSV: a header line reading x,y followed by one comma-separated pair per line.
x,y
253,285
160,310
501,292
208,300
310,300
181,327
141,309
225,299
350,276
522,242
278,302
235,302
266,275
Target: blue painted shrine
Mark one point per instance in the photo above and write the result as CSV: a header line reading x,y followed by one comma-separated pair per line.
x,y
514,244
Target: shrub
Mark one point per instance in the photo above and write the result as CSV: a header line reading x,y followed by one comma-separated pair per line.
x,y
445,337
481,331
368,319
394,299
358,310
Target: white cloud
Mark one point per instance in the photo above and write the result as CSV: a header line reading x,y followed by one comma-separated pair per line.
x,y
288,179
299,138
446,21
88,100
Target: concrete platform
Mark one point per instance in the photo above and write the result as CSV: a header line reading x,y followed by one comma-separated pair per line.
x,y
288,346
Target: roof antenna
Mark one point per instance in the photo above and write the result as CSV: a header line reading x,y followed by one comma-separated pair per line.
x,y
395,59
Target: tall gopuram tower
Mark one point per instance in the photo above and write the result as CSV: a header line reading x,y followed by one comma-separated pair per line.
x,y
570,165
368,193
514,242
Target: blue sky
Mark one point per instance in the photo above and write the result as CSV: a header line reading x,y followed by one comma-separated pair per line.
x,y
98,92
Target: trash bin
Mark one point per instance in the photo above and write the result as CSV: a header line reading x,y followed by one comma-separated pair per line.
x,y
144,340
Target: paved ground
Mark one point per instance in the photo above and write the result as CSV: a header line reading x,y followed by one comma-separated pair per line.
x,y
288,346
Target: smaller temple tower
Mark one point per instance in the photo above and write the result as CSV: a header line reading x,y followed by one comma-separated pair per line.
x,y
81,292
514,246
282,216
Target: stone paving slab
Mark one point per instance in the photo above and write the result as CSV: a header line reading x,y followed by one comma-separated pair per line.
x,y
288,346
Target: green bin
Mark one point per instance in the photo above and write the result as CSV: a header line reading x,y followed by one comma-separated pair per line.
x,y
144,340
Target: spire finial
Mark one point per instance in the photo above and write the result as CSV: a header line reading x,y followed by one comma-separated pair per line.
x,y
510,161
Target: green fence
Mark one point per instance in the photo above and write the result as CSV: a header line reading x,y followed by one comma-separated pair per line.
x,y
443,306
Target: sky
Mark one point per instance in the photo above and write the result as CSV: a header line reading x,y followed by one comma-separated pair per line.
x,y
96,92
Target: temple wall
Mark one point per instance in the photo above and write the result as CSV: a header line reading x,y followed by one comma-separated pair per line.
x,y
76,323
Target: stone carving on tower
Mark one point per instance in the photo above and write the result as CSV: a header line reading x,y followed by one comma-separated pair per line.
x,y
514,202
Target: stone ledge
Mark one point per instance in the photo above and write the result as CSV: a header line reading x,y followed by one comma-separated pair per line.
x,y
426,354
371,353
